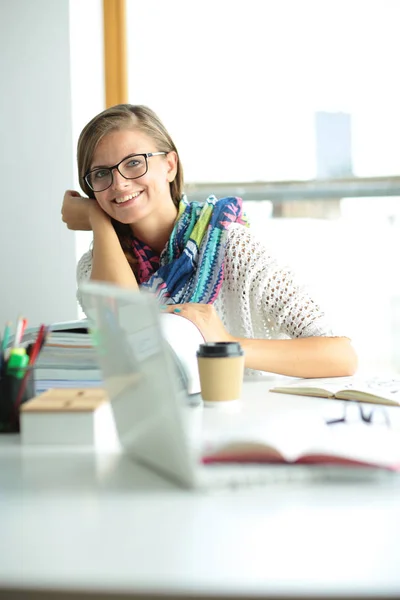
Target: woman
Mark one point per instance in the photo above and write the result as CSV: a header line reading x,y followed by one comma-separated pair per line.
x,y
201,260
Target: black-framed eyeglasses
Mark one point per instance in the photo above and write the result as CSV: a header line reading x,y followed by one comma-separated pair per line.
x,y
130,167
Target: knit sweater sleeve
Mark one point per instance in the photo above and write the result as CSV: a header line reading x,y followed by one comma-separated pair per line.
x,y
83,273
263,295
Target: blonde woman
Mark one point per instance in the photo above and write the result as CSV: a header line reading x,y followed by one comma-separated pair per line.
x,y
201,260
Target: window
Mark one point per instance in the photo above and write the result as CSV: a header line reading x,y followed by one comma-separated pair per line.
x,y
240,85
284,90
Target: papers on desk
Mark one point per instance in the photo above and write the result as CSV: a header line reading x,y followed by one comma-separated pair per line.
x,y
42,385
68,359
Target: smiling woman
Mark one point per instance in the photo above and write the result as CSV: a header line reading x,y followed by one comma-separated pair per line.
x,y
199,259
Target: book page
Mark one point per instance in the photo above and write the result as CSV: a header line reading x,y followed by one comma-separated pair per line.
x,y
282,436
356,441
320,387
376,389
336,432
184,339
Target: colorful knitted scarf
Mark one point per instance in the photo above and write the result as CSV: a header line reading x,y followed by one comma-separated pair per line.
x,y
191,266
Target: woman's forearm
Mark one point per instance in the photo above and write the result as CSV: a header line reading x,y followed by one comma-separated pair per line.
x,y
301,357
109,261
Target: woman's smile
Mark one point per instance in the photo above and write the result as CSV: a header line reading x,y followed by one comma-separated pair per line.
x,y
127,200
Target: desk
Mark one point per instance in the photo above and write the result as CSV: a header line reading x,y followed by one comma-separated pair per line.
x,y
79,522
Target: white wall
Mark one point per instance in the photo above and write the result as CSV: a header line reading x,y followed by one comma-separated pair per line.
x,y
39,117
87,81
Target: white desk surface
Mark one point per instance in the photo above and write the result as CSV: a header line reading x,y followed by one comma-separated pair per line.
x,y
77,521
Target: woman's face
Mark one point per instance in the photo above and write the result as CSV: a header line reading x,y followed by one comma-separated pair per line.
x,y
130,200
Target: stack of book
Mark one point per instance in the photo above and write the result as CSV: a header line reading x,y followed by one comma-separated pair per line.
x,y
68,358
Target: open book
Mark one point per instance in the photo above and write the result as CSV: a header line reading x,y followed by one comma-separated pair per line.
x,y
305,437
377,390
184,339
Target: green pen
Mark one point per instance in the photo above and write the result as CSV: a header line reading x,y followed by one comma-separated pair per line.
x,y
17,362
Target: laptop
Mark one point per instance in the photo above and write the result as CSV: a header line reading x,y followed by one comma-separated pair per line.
x,y
158,422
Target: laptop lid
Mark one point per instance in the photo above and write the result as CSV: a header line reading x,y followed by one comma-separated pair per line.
x,y
140,377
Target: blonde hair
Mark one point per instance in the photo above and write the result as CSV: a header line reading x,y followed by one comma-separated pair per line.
x,y
126,116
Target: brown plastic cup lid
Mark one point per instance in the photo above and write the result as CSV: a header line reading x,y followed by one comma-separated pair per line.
x,y
219,350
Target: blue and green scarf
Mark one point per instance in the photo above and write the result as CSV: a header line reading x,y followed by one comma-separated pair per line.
x,y
191,266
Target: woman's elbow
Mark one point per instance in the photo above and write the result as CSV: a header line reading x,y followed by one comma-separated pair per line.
x,y
347,360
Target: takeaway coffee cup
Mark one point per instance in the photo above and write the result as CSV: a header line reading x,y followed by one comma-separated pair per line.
x,y
221,368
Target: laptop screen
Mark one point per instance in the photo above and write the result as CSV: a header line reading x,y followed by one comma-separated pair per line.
x,y
140,376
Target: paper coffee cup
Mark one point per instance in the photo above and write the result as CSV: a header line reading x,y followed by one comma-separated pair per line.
x,y
221,369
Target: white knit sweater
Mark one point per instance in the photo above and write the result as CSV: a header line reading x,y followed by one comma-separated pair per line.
x,y
259,297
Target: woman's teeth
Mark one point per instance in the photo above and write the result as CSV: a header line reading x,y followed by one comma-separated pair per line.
x,y
126,198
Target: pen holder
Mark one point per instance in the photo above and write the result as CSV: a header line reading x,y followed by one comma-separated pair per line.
x,y
14,391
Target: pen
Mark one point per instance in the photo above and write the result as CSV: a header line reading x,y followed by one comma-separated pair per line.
x,y
32,355
4,344
6,337
37,345
19,332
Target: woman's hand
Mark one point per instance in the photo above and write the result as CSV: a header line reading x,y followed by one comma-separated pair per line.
x,y
75,211
205,317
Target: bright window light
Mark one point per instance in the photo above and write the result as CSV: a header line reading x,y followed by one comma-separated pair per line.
x,y
238,84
